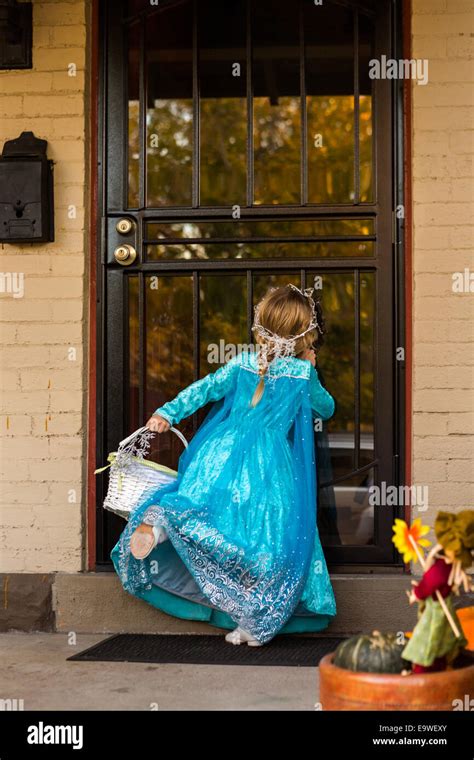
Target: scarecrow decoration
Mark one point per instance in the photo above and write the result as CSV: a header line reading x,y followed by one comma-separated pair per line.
x,y
438,636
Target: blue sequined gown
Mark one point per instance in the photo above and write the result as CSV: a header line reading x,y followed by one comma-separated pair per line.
x,y
243,544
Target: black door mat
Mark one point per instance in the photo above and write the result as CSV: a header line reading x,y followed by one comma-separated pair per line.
x,y
284,650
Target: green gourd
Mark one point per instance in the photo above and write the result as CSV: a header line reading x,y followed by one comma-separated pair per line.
x,y
371,653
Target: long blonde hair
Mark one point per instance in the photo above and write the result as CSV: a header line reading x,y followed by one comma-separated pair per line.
x,y
286,312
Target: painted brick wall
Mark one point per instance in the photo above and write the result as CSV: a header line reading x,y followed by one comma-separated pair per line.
x,y
443,397
43,333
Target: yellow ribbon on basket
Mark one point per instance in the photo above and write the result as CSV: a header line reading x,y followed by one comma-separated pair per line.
x,y
111,459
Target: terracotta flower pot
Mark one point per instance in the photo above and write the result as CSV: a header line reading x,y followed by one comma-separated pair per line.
x,y
342,689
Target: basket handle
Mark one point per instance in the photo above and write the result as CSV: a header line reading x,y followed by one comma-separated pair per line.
x,y
141,430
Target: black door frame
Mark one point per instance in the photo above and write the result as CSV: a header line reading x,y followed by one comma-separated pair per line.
x,y
111,321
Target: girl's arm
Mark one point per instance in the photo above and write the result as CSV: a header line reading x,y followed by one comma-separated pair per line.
x,y
210,388
322,403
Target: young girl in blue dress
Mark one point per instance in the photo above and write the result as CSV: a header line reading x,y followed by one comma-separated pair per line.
x,y
233,540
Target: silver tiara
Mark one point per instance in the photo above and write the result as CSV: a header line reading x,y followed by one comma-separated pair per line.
x,y
278,345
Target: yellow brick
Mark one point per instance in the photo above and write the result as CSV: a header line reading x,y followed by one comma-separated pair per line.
x,y
433,284
429,238
28,263
462,423
460,47
10,493
68,126
70,172
452,494
455,354
24,356
53,105
12,402
445,447
24,448
9,379
65,379
442,261
441,24
59,357
65,423
426,472
55,287
429,47
462,142
59,494
53,333
11,105
459,6
457,471
67,35
49,472
428,6
443,214
443,377
72,266
69,401
430,424
443,95
440,401
18,424
58,14
26,81
450,71
69,311
70,447
60,59
63,82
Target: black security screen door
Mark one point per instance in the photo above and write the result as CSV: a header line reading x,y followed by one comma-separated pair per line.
x,y
244,145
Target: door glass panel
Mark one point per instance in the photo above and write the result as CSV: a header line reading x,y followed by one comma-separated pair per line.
x,y
276,105
336,360
329,68
366,127
223,104
169,127
367,360
223,319
290,229
262,282
344,513
133,355
133,33
169,352
269,250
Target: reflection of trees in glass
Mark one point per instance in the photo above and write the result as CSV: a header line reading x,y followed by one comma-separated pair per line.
x,y
330,149
223,156
169,163
365,120
277,151
133,154
223,302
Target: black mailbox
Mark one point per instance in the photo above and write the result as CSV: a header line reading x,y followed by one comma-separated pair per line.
x,y
26,191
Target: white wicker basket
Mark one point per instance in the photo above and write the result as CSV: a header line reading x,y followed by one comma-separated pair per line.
x,y
131,474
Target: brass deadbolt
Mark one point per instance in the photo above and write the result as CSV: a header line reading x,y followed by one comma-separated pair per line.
x,y
125,255
124,226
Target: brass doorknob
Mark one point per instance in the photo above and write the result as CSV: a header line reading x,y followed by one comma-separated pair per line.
x,y
125,255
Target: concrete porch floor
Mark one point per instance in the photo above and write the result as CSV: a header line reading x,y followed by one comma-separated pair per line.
x,y
35,669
